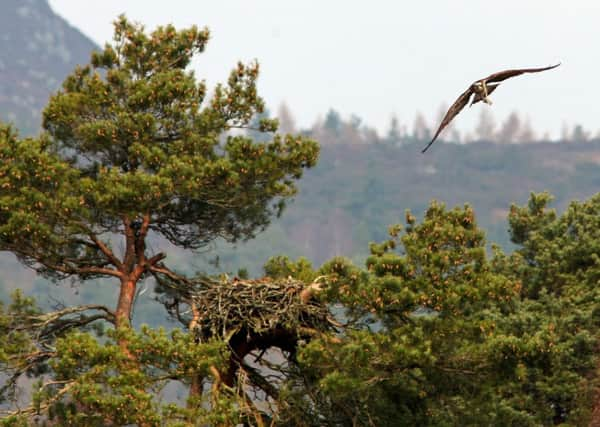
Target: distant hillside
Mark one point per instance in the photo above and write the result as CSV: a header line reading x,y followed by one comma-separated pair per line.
x,y
356,191
37,50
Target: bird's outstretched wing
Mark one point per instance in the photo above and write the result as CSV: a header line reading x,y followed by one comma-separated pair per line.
x,y
507,74
458,105
463,99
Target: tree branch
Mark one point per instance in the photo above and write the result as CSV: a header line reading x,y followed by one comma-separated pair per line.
x,y
257,380
57,262
161,269
140,247
106,251
156,258
81,270
129,258
141,238
53,322
35,409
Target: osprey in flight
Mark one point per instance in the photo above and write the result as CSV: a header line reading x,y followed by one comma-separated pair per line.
x,y
481,89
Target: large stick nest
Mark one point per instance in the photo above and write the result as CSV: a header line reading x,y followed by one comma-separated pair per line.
x,y
226,307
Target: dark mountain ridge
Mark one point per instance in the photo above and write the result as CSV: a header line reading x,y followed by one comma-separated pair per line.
x,y
37,50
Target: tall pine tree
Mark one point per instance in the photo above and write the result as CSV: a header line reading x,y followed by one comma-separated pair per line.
x,y
133,147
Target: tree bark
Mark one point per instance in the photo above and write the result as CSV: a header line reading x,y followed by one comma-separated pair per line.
x,y
196,384
595,420
195,390
132,268
123,313
125,303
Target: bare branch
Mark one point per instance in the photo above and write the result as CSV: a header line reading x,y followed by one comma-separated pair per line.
x,y
54,322
156,258
248,127
35,409
195,316
161,269
69,270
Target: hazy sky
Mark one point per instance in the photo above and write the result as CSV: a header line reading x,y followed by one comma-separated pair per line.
x,y
377,58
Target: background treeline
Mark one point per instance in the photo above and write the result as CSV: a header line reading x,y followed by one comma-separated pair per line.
x,y
333,128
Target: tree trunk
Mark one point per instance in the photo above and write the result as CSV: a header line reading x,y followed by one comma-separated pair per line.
x,y
125,303
196,385
195,392
123,313
595,420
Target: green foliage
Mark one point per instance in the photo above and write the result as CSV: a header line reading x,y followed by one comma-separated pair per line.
x,y
152,142
91,381
133,135
554,333
96,381
38,200
15,343
418,360
440,334
281,267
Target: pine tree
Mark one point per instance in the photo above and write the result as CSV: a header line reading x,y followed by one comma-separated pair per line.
x,y
145,156
287,124
394,135
486,126
135,147
416,323
510,129
421,132
579,134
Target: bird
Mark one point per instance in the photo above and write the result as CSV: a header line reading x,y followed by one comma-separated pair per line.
x,y
480,91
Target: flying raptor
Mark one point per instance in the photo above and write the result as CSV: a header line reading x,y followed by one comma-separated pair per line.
x,y
481,89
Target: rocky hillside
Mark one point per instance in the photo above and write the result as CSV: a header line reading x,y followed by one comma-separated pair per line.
x,y
37,50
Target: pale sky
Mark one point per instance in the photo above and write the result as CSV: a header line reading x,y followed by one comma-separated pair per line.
x,y
379,58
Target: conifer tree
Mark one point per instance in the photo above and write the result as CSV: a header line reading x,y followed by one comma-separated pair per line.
x,y
417,321
438,333
134,147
